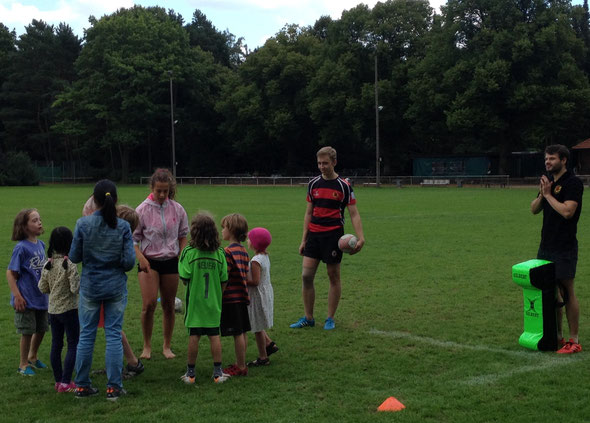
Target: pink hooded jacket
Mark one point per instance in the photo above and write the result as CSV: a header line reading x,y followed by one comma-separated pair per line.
x,y
160,227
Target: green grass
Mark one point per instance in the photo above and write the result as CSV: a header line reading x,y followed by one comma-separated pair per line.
x,y
428,314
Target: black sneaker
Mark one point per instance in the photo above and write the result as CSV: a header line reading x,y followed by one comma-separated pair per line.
x,y
134,370
113,393
258,362
86,391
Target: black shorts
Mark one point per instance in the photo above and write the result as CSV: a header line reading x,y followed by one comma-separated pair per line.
x,y
324,246
565,262
163,267
234,319
203,331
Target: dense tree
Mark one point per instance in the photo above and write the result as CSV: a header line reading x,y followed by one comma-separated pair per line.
x,y
7,48
518,80
482,77
224,46
265,107
122,95
39,69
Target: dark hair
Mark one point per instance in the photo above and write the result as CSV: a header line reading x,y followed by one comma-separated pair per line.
x,y
60,242
129,214
19,228
560,150
105,196
204,234
164,175
237,225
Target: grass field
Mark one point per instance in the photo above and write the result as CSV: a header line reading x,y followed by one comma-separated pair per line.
x,y
428,314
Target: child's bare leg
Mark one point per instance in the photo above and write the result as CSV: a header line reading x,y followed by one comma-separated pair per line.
x,y
148,283
267,339
193,349
168,288
240,350
261,344
36,340
127,351
215,342
25,346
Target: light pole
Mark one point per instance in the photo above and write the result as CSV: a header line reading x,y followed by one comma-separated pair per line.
x,y
377,110
172,126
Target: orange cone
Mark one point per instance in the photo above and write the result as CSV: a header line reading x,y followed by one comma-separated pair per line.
x,y
391,404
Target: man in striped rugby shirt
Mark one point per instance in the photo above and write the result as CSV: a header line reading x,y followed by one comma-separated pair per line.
x,y
328,196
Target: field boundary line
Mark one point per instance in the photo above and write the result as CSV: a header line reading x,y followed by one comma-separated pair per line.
x,y
542,365
450,344
542,361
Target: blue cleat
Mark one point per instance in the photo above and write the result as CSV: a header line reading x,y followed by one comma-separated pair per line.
x,y
329,325
302,323
27,371
38,364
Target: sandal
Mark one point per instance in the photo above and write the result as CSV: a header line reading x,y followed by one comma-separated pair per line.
x,y
258,362
271,348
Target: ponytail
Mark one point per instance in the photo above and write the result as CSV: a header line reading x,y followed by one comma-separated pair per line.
x,y
105,196
109,211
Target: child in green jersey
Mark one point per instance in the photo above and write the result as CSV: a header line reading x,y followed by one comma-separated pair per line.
x,y
203,269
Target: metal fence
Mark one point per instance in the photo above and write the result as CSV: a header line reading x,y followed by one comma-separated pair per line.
x,y
474,180
485,181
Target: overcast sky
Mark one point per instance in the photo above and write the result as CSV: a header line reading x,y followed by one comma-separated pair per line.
x,y
255,20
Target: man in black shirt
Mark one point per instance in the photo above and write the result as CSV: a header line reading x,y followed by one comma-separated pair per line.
x,y
560,199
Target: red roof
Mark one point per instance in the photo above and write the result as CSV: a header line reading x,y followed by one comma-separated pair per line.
x,y
584,145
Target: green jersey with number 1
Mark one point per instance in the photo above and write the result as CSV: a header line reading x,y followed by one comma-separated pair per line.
x,y
205,271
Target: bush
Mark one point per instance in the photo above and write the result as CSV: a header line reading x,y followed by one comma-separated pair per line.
x,y
16,168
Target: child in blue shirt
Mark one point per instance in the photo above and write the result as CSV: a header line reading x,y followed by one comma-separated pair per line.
x,y
30,305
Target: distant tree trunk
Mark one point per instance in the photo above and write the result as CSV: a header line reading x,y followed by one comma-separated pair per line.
x,y
149,146
124,155
112,159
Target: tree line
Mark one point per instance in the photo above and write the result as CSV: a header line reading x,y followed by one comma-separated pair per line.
x,y
482,77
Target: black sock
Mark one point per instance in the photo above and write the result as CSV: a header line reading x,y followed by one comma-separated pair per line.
x,y
217,369
190,370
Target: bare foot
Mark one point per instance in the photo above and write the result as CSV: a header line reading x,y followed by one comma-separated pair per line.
x,y
146,354
168,353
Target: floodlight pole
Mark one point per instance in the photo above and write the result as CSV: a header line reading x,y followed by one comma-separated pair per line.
x,y
172,126
377,161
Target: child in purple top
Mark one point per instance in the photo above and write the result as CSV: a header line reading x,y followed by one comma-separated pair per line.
x,y
159,238
23,275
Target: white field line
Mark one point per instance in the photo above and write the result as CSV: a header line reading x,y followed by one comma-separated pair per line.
x,y
542,361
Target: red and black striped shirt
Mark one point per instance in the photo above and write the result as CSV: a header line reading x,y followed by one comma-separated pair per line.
x,y
329,198
236,290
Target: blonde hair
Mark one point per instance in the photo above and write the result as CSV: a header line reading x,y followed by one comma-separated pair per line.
x,y
327,151
129,214
237,225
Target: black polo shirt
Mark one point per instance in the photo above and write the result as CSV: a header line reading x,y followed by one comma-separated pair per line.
x,y
558,233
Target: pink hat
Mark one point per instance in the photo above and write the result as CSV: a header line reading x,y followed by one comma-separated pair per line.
x,y
259,238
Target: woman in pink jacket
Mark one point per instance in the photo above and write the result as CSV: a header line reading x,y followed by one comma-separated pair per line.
x,y
159,238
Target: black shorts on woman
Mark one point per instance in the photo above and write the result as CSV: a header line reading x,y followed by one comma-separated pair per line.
x,y
163,267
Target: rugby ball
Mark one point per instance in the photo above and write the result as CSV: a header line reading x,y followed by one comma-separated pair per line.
x,y
178,305
347,242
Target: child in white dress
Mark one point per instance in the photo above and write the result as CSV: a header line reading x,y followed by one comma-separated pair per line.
x,y
261,295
